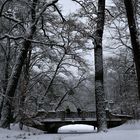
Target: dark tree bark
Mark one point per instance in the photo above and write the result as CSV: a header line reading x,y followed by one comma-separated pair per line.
x,y
99,86
6,72
131,17
13,81
23,87
12,84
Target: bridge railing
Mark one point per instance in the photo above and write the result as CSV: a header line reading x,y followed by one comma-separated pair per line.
x,y
64,115
83,115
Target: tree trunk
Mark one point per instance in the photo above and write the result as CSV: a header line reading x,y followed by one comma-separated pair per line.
x,y
12,84
99,86
6,73
13,81
134,38
24,86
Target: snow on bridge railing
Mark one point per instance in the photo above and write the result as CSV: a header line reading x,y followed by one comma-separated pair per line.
x,y
64,114
83,115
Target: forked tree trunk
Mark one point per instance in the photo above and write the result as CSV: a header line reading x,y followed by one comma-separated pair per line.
x,y
135,40
99,86
12,84
13,81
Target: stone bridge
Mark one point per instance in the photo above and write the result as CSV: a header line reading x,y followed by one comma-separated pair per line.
x,y
53,120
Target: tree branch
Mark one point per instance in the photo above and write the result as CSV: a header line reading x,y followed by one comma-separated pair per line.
x,y
59,13
2,7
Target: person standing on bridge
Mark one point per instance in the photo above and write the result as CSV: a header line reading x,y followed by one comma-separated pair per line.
x,y
79,111
68,110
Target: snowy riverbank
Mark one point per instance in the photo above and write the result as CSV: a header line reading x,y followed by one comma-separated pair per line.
x,y
128,131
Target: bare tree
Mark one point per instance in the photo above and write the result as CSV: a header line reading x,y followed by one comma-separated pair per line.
x,y
95,30
120,82
99,85
129,6
26,45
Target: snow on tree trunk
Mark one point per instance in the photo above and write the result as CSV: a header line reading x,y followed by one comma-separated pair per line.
x,y
13,81
12,84
99,86
134,38
6,74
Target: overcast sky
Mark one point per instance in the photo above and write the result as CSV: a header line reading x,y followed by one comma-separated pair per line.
x,y
68,6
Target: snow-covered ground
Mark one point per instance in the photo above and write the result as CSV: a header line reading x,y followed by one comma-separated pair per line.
x,y
77,128
128,131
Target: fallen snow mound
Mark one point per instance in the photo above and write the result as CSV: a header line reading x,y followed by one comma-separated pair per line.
x,y
76,128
